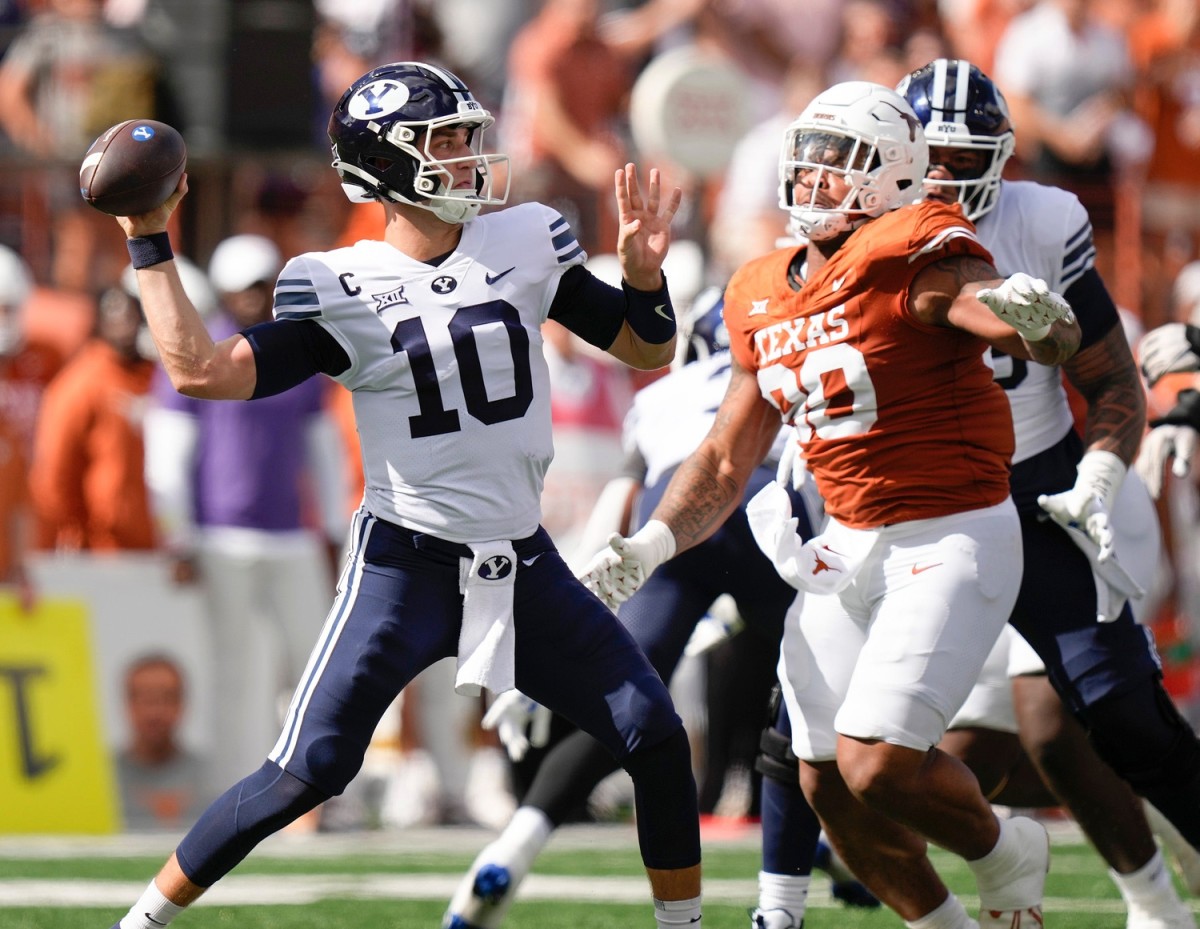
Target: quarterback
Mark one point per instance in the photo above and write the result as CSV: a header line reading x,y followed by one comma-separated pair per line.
x,y
436,330
870,340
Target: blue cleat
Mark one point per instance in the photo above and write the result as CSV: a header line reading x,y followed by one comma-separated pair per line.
x,y
491,883
454,921
846,887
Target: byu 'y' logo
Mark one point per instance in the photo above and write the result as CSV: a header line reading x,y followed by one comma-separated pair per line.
x,y
379,98
496,568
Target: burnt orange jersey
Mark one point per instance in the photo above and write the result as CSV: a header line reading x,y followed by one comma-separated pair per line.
x,y
899,420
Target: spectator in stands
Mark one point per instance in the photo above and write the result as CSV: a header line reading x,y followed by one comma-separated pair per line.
x,y
163,784
66,77
87,476
1068,77
238,489
565,104
15,519
25,367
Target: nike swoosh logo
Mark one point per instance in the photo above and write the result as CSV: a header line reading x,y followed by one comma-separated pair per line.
x,y
492,278
837,284
153,920
659,310
528,561
926,567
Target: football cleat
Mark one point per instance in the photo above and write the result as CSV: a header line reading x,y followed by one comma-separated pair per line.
x,y
454,921
777,918
491,882
1018,904
846,887
1028,918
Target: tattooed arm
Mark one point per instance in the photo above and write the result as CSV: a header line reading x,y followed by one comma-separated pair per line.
x,y
943,294
1107,377
708,486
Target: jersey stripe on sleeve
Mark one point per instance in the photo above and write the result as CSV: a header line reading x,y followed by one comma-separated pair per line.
x,y
1079,254
296,298
565,244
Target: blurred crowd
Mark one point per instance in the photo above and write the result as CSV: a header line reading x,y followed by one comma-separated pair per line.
x,y
99,455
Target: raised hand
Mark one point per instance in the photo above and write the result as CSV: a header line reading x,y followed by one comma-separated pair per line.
x,y
645,227
1026,304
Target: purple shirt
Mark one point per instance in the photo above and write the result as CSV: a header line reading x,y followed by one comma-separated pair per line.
x,y
251,455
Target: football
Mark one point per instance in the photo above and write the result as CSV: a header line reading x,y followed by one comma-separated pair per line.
x,y
132,167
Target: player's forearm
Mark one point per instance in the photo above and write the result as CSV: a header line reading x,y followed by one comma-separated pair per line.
x,y
698,501
1106,376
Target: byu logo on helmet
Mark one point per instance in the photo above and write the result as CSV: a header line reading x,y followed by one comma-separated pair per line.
x,y
378,99
495,568
142,133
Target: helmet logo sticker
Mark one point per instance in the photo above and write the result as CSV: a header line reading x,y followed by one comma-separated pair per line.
x,y
443,284
378,98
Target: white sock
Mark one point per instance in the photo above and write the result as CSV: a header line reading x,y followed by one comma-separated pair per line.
x,y
515,848
950,915
1149,888
670,913
995,869
783,892
521,841
151,911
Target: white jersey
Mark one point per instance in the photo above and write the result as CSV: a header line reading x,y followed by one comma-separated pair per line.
x,y
1045,232
450,385
672,415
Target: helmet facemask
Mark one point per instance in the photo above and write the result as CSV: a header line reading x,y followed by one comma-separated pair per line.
x,y
863,134
962,109
384,131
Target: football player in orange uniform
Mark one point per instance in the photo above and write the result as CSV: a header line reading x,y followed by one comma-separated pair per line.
x,y
870,340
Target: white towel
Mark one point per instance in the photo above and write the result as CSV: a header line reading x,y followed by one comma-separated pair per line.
x,y
1114,586
826,564
487,638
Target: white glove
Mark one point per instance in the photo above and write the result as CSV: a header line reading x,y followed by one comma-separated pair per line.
x,y
512,715
1161,443
615,573
1026,304
1165,350
1087,505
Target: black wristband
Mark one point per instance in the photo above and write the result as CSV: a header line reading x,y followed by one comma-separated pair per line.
x,y
1193,337
1186,411
148,250
650,315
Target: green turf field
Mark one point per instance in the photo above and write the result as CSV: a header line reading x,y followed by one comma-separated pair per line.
x,y
589,878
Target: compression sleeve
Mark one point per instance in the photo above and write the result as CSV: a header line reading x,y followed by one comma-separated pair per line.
x,y
595,311
288,352
1093,306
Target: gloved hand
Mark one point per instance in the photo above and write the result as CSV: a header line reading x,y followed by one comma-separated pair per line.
x,y
721,622
615,573
1168,349
519,722
1087,505
1176,443
1026,304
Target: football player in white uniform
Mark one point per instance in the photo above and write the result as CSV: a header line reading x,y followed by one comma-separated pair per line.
x,y
668,420
437,332
1076,502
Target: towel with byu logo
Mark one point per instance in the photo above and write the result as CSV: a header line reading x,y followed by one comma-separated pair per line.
x,y
487,639
824,565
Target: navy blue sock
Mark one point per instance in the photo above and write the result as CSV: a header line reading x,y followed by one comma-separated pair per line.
x,y
789,829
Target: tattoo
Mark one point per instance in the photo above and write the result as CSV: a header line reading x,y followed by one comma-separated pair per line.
x,y
1107,377
705,489
1058,346
966,269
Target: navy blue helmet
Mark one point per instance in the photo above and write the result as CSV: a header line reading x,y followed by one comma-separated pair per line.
x,y
381,131
960,107
702,330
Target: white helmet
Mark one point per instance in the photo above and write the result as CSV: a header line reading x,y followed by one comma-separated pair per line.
x,y
864,132
242,261
16,284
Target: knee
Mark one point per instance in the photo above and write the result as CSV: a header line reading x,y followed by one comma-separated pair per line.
x,y
877,771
